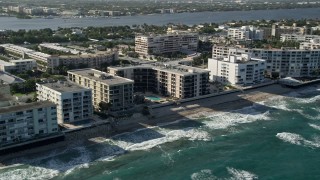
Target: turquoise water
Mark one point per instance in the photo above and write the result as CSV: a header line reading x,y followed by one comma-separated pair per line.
x,y
275,139
153,98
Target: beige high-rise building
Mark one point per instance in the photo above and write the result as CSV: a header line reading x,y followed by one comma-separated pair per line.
x,y
115,90
168,43
169,80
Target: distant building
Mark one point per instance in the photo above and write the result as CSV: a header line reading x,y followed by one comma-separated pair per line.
x,y
57,48
114,90
169,43
18,66
279,62
33,10
17,9
46,62
276,30
313,44
246,33
23,122
297,37
74,103
113,13
169,80
240,70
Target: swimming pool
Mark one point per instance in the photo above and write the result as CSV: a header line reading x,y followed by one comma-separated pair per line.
x,y
153,98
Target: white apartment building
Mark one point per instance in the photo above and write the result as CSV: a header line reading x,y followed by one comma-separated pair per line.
x,y
168,43
74,103
114,90
246,33
169,80
18,66
240,70
46,62
297,37
23,122
276,30
313,44
279,62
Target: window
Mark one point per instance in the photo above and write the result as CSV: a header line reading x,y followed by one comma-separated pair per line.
x,y
19,113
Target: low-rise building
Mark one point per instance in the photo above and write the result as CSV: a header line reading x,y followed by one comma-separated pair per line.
x,y
240,70
23,122
114,90
177,81
18,66
57,48
46,62
297,37
74,103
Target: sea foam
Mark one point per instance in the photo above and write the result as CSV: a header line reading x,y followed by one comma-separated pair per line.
x,y
228,119
143,141
236,174
297,139
241,174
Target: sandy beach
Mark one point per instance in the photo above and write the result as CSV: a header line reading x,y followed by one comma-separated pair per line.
x,y
161,115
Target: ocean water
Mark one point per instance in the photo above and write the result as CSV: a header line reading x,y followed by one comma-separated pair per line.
x,y
275,139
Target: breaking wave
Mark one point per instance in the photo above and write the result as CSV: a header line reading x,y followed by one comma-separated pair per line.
x,y
206,174
297,139
226,120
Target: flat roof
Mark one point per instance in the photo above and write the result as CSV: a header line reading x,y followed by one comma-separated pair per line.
x,y
85,55
57,47
9,78
5,63
171,68
22,60
27,106
100,76
64,86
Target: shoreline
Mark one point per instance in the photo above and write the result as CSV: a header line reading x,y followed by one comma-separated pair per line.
x,y
163,115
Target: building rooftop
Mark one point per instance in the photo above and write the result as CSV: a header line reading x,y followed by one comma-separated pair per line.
x,y
63,86
101,76
86,55
19,48
8,78
5,63
57,47
27,106
22,60
167,67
